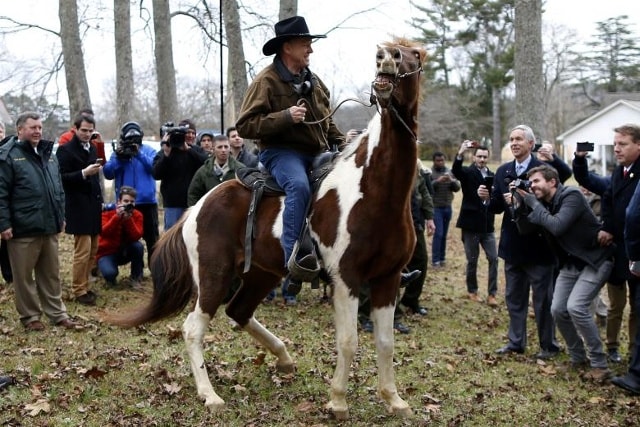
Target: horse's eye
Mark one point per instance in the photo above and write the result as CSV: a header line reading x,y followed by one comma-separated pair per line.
x,y
397,55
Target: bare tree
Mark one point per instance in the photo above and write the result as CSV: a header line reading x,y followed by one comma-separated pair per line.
x,y
124,61
77,86
165,70
236,63
528,64
288,8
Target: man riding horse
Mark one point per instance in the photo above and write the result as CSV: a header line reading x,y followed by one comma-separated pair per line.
x,y
273,112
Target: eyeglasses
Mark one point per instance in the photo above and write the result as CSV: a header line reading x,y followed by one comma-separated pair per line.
x,y
126,191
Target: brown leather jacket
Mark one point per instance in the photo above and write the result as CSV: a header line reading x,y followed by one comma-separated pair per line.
x,y
264,115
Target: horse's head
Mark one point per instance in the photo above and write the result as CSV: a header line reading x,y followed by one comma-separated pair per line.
x,y
398,68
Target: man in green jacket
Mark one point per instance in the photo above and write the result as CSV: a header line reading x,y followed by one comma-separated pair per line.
x,y
31,216
278,102
218,168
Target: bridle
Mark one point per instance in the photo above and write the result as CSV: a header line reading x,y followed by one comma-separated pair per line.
x,y
373,101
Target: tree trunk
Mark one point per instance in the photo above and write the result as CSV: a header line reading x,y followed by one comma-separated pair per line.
x,y
496,144
237,73
528,65
124,61
288,8
77,86
166,74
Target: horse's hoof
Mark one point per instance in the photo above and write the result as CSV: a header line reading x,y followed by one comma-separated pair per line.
x,y
341,414
403,412
214,405
286,368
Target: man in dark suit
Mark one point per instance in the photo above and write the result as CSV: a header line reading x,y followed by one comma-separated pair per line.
x,y
631,381
475,219
624,179
528,260
79,168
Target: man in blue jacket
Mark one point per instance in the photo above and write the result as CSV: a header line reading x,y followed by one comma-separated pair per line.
x,y
131,164
31,217
528,260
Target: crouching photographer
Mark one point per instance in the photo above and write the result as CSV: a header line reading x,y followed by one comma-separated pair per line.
x,y
131,164
119,241
175,166
572,229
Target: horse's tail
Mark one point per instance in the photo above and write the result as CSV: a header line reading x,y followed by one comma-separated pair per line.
x,y
172,281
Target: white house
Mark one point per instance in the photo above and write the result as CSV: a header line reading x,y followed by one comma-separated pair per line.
x,y
598,129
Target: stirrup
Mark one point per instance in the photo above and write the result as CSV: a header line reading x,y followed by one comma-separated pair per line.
x,y
304,269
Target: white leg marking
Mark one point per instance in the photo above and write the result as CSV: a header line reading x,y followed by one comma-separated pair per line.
x,y
346,324
193,330
271,343
383,332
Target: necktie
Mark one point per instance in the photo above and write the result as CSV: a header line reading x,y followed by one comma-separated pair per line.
x,y
519,169
625,172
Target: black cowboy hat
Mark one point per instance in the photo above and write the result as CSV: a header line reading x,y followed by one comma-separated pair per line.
x,y
286,29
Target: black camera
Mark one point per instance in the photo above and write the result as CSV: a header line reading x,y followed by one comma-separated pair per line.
x,y
125,149
176,134
585,146
128,207
523,184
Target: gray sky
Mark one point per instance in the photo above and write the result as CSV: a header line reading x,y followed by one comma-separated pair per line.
x,y
345,60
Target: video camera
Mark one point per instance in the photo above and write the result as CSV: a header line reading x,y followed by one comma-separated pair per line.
x,y
176,134
125,149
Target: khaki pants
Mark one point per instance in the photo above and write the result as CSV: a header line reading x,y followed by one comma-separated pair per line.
x,y
84,255
37,256
617,302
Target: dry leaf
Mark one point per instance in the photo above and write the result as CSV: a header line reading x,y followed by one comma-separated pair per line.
x,y
305,407
172,388
37,407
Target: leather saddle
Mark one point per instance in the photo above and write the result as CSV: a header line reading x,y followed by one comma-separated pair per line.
x,y
261,183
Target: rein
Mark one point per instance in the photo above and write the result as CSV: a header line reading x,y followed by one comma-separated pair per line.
x,y
302,101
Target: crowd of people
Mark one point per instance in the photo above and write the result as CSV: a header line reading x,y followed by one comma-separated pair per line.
x,y
558,253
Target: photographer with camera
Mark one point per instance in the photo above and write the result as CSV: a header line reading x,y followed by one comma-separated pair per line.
x,y
80,168
131,164
528,261
585,264
175,165
119,242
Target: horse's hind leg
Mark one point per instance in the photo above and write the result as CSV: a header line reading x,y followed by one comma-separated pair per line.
x,y
346,324
272,343
383,332
193,330
256,285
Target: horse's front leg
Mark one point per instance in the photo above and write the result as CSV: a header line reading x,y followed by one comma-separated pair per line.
x,y
346,324
271,343
383,332
193,330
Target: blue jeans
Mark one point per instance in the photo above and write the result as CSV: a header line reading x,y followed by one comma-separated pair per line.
x,y
289,169
472,242
171,216
441,218
133,254
574,292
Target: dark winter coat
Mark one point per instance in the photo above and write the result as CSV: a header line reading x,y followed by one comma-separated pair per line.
x,y
83,201
31,193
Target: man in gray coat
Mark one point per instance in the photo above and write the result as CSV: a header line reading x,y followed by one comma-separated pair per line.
x,y
585,265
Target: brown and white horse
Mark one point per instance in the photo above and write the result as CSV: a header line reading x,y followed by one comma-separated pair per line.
x,y
360,221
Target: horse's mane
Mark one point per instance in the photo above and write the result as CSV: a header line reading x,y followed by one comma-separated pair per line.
x,y
405,42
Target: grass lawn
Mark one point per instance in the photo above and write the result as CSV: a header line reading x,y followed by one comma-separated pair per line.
x,y
446,368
